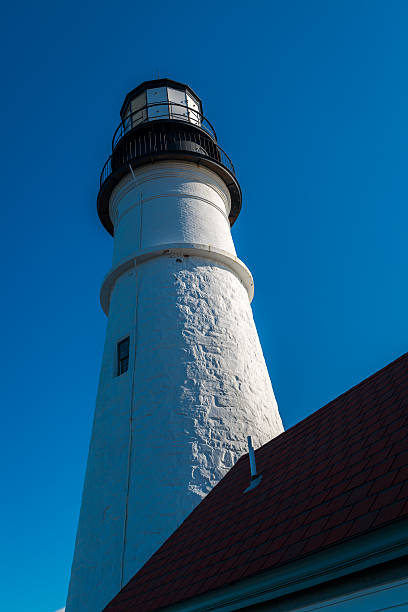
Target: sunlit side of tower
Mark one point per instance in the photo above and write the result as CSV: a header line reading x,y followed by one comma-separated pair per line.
x,y
183,379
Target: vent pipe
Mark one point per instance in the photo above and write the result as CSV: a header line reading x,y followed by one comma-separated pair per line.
x,y
255,478
252,462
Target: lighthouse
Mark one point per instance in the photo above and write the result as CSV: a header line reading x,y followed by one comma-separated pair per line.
x,y
183,379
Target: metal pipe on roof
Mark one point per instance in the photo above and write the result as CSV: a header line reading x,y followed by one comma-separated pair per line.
x,y
252,462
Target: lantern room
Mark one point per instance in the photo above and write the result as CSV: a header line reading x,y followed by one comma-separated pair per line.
x,y
162,120
158,100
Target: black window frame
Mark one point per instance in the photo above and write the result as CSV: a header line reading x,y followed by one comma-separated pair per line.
x,y
122,356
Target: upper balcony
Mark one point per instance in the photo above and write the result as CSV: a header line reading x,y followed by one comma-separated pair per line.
x,y
163,120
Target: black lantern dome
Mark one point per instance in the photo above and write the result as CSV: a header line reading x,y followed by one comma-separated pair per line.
x,y
163,120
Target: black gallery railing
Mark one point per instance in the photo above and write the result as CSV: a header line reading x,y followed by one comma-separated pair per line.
x,y
157,111
148,143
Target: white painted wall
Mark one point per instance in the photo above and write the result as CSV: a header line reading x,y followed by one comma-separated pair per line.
x,y
170,202
170,428
388,596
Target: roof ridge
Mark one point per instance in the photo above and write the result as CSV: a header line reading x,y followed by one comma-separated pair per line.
x,y
317,413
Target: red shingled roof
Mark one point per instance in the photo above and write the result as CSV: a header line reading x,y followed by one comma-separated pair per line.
x,y
341,472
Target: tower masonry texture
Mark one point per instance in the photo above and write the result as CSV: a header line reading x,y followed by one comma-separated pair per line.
x,y
183,379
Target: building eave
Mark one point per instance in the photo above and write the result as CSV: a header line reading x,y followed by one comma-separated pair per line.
x,y
367,551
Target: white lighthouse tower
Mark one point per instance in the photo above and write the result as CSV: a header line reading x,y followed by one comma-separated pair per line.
x,y
183,379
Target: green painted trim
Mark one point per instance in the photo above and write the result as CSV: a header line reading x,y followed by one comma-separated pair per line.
x,y
379,546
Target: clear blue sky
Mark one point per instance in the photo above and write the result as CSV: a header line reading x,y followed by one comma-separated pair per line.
x,y
309,99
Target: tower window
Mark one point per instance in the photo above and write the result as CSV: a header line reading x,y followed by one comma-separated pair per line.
x,y
123,356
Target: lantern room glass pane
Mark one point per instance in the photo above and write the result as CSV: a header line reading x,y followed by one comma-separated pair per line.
x,y
178,110
193,110
134,113
157,97
127,121
139,113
